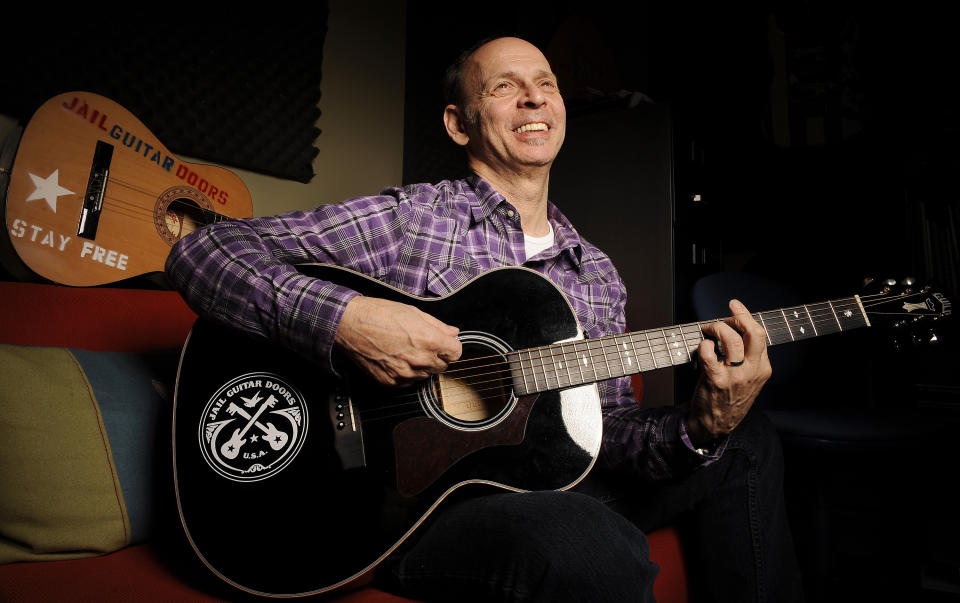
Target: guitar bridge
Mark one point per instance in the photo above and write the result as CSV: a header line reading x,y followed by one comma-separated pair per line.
x,y
347,431
96,189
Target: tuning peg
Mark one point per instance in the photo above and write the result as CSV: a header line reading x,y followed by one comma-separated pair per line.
x,y
886,285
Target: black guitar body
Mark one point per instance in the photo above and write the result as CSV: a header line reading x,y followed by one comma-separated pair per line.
x,y
292,483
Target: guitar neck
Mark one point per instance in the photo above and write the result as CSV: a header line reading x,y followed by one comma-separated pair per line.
x,y
575,363
211,217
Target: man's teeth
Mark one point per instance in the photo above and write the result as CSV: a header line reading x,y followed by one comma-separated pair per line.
x,y
531,127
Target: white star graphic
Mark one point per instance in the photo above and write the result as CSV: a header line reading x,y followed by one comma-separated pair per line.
x,y
48,189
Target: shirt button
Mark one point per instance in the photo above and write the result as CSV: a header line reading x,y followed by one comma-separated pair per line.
x,y
509,213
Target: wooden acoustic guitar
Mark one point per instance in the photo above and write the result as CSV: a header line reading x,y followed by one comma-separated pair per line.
x,y
95,198
292,483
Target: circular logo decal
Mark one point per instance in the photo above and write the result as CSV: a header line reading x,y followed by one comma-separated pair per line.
x,y
253,427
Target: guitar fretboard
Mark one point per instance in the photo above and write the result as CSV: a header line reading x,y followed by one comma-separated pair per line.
x,y
587,361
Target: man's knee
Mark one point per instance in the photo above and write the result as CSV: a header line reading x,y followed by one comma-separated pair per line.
x,y
579,549
531,546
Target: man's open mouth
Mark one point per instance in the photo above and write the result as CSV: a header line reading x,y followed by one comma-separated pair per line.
x,y
537,126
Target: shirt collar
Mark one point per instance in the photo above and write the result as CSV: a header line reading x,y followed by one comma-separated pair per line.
x,y
489,199
566,236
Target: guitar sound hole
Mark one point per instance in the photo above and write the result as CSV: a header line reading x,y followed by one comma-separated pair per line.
x,y
180,210
475,391
183,217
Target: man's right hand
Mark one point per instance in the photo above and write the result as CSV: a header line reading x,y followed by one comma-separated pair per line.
x,y
394,342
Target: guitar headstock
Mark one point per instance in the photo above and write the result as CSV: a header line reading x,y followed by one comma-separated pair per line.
x,y
906,306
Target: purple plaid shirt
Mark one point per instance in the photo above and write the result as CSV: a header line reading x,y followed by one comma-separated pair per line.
x,y
426,239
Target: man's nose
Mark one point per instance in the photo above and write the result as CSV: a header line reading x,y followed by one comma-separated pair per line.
x,y
532,95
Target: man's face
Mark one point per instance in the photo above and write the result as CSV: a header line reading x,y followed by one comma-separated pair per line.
x,y
519,119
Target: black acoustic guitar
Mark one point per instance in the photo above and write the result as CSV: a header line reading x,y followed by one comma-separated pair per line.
x,y
292,483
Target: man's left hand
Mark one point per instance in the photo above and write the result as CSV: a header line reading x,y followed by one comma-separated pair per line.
x,y
729,382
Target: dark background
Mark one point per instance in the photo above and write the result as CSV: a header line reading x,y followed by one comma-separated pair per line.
x,y
830,208
821,136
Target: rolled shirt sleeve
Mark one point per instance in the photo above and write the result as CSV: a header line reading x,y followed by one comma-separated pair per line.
x,y
243,273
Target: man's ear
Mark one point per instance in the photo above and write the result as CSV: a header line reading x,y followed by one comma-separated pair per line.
x,y
456,126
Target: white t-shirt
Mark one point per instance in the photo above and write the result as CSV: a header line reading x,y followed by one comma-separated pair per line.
x,y
535,245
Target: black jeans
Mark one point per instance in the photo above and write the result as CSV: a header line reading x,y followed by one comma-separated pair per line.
x,y
589,544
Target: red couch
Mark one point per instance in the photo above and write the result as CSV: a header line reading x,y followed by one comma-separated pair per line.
x,y
160,568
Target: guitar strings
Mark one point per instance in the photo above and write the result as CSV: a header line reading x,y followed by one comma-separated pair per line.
x,y
215,215
690,342
660,335
147,214
503,375
135,212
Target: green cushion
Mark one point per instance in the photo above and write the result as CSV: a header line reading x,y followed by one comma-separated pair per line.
x,y
81,434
